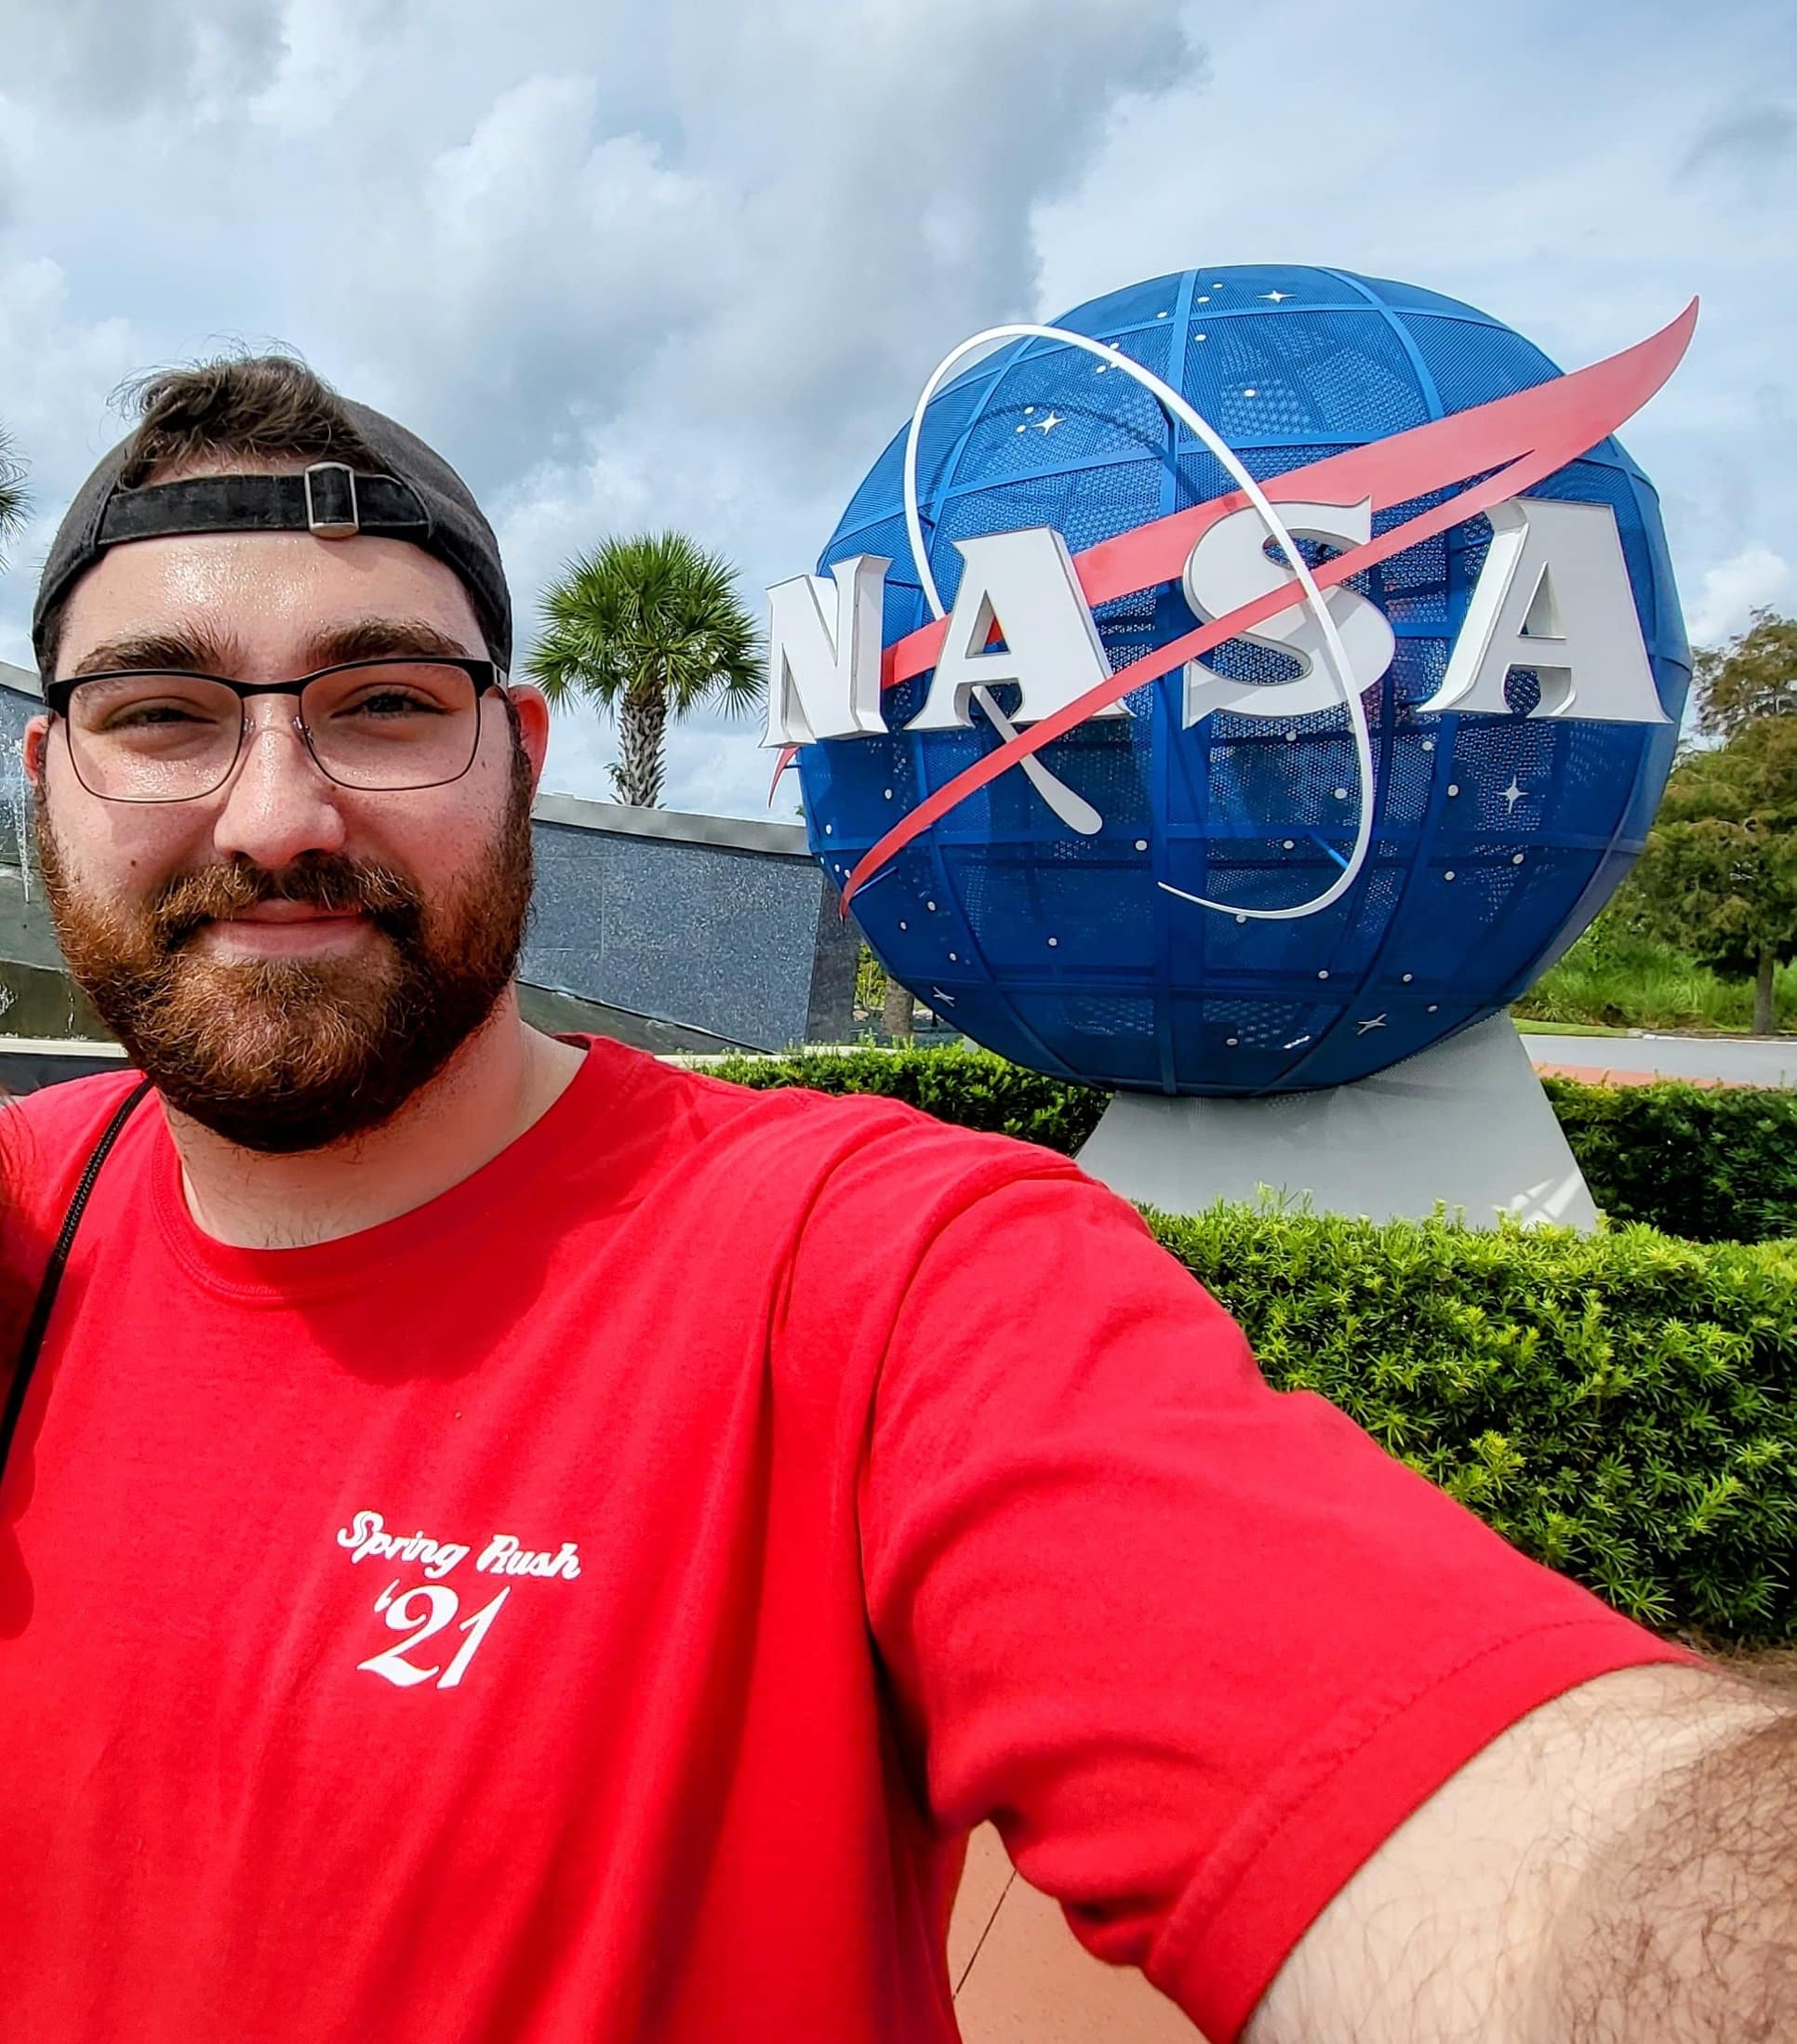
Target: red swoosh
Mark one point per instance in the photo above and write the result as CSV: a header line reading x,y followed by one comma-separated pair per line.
x,y
1530,433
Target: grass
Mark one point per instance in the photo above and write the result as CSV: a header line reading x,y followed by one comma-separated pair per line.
x,y
1538,1028
1613,978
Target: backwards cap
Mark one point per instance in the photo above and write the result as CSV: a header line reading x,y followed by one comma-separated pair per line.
x,y
415,495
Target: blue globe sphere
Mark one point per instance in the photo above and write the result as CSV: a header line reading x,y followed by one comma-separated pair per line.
x,y
1496,837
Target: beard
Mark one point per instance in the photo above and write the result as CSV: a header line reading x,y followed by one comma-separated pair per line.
x,y
284,1055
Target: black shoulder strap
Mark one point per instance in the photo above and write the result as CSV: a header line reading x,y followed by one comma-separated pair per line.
x,y
51,1282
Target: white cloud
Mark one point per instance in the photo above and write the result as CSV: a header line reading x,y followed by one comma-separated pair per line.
x,y
1580,173
55,375
327,50
117,60
633,267
1732,590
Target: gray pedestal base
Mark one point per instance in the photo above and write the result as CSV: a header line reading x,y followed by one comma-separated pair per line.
x,y
1465,1124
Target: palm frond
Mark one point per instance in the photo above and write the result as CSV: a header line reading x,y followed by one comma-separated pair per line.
x,y
649,617
13,498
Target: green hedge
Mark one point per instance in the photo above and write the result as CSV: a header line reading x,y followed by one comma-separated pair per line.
x,y
1716,1165
972,1088
1710,1165
1619,1405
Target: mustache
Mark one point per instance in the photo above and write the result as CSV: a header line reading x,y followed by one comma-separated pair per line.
x,y
320,880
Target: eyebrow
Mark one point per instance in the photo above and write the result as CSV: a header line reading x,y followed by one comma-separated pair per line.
x,y
371,638
200,651
194,652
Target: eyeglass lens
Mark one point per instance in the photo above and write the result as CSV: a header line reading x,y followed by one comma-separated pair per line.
x,y
168,737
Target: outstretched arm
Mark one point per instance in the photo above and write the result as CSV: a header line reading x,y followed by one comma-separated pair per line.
x,y
1620,1867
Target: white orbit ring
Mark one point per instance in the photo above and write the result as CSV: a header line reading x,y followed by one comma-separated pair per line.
x,y
1341,671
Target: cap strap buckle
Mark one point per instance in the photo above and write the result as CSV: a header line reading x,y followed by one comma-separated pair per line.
x,y
331,510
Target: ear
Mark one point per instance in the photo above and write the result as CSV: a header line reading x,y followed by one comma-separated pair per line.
x,y
532,707
37,739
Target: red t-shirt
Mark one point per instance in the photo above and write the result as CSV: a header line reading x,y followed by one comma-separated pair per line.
x,y
597,1604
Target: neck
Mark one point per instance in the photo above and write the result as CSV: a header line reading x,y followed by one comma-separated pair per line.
x,y
500,1081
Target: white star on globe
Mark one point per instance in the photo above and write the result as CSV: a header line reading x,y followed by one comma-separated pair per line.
x,y
1050,423
1275,298
1374,1022
1512,794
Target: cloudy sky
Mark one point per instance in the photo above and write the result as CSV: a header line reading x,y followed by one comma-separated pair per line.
x,y
632,265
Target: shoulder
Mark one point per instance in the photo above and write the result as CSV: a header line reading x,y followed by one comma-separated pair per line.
x,y
788,1157
63,1113
46,1136
44,1139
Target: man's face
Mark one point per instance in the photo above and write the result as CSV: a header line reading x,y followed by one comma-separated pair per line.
x,y
289,960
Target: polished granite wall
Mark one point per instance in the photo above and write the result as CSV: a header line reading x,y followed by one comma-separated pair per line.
x,y
19,703
714,924
675,932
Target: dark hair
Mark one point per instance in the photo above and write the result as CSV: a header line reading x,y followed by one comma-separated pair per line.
x,y
260,408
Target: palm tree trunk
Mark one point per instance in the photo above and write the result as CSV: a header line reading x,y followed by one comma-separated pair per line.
x,y
1763,1019
643,745
895,1012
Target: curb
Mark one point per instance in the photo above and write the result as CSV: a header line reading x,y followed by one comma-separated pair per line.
x,y
1598,1075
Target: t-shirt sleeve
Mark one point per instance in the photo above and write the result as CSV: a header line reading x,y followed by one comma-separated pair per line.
x,y
1198,1648
45,1138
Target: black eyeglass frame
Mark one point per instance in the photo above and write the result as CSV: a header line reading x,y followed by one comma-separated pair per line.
x,y
486,675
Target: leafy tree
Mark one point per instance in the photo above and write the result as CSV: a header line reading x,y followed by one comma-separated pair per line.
x,y
652,628
1753,676
1719,875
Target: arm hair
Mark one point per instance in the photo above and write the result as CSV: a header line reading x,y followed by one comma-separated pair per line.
x,y
1683,1928
1621,1867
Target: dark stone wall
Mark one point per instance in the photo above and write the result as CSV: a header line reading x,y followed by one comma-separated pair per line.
x,y
718,925
18,704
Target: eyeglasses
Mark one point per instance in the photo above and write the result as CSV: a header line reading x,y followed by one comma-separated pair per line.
x,y
377,725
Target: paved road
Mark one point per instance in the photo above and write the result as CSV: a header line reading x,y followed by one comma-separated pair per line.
x,y
1740,1061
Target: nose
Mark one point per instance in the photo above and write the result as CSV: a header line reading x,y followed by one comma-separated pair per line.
x,y
277,803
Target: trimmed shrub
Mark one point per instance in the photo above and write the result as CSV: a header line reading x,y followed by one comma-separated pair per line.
x,y
1619,1405
1713,1165
972,1088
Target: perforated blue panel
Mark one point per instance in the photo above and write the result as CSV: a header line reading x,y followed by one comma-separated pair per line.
x,y
1495,838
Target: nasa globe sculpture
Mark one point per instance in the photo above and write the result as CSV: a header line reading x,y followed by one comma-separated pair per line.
x,y
1241,684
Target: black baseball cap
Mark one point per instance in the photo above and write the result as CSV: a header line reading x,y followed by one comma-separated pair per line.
x,y
414,496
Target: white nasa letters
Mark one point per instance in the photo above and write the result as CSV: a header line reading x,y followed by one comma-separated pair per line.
x,y
1552,596
823,680
1229,566
1023,585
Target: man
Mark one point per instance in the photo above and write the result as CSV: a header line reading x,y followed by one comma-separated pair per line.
x,y
512,1542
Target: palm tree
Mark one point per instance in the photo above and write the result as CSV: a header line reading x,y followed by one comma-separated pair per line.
x,y
12,491
653,628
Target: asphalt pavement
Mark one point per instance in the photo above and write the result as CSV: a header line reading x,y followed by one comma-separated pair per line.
x,y
1732,1060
